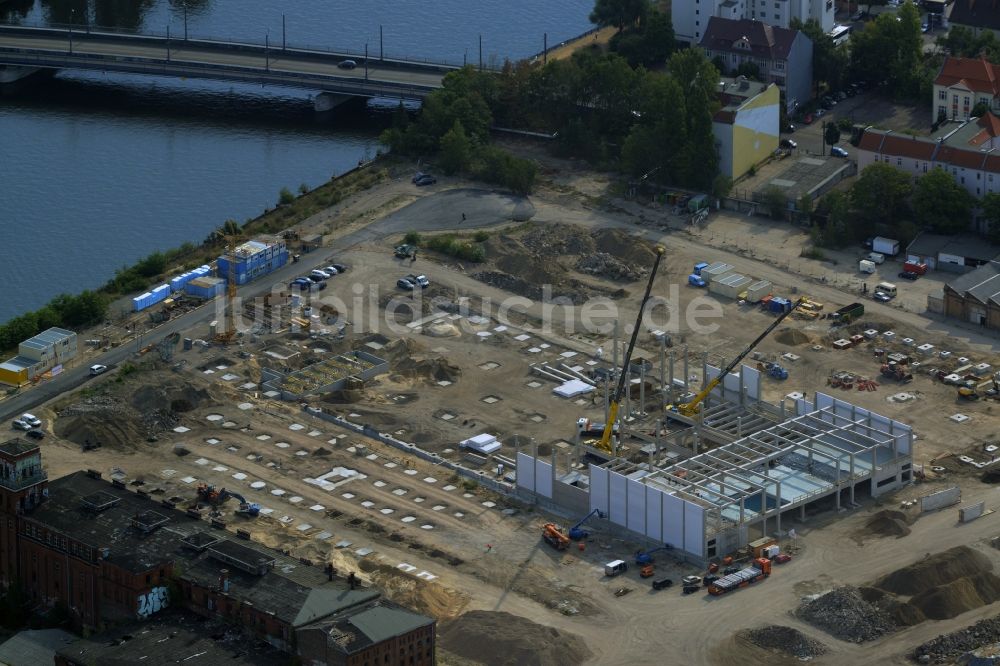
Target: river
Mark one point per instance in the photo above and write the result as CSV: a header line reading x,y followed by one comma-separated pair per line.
x,y
97,171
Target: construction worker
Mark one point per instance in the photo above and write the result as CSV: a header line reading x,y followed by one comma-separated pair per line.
x,y
463,217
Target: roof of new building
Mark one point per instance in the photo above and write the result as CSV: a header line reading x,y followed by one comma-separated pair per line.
x,y
379,620
976,14
975,74
969,246
102,515
748,36
173,637
48,337
734,93
18,363
983,284
17,446
33,647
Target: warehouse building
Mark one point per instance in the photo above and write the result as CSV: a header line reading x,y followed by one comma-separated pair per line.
x,y
253,259
975,296
957,253
112,555
35,356
712,498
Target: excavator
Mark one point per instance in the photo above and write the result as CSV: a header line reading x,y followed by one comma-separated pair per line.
x,y
604,444
208,493
691,408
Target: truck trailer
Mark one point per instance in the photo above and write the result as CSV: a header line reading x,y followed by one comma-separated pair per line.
x,y
887,246
850,312
759,570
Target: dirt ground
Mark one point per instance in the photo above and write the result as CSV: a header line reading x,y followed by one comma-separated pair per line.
x,y
446,545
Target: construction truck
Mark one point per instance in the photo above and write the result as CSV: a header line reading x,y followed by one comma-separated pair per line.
x,y
894,370
848,313
968,393
773,370
692,407
759,570
554,536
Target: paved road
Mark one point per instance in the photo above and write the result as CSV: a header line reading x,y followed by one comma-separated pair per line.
x,y
180,52
441,211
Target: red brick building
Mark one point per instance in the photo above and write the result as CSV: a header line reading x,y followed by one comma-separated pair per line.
x,y
112,555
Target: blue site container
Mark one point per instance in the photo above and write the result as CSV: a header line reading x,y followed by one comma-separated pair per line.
x,y
777,304
141,302
205,287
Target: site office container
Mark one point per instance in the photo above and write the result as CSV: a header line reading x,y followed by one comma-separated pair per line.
x,y
205,287
758,290
729,286
716,271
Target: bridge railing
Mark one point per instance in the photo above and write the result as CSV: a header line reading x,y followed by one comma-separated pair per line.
x,y
81,30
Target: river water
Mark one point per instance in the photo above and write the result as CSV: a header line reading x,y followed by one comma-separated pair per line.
x,y
97,171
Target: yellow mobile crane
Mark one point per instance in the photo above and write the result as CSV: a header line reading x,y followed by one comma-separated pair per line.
x,y
227,335
691,408
604,444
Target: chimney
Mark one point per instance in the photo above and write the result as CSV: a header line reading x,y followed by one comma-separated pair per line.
x,y
224,580
352,580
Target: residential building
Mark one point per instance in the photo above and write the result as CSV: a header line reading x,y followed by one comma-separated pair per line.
x,y
112,556
782,56
969,151
38,355
975,296
746,127
690,17
961,84
976,15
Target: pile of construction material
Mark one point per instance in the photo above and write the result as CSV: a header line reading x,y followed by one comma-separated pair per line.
x,y
849,380
844,614
785,640
947,648
605,265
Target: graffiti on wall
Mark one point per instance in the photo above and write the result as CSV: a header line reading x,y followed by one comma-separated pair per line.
x,y
156,600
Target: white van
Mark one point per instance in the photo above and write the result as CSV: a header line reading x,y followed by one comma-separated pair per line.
x,y
615,567
887,288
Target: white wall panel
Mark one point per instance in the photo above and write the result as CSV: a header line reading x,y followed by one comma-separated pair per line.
x,y
543,478
694,529
616,493
673,520
636,506
823,400
654,526
599,489
526,471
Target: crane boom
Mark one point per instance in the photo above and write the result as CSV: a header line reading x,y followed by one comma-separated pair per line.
x,y
605,442
691,408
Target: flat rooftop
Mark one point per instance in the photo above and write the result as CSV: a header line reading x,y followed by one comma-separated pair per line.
x,y
17,447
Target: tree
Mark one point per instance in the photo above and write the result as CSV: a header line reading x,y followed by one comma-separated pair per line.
x,y
697,78
891,47
991,212
648,45
880,194
836,231
980,109
721,186
805,206
831,135
456,150
776,202
942,204
829,60
619,13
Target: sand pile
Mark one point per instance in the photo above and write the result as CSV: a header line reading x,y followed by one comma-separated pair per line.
x,y
785,640
625,246
103,421
440,329
844,614
954,598
901,612
888,523
939,569
431,369
792,337
399,349
603,264
429,598
502,639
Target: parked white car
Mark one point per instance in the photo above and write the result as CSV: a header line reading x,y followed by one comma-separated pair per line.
x,y
21,425
31,420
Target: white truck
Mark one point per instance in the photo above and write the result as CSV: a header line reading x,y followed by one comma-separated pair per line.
x,y
887,246
876,258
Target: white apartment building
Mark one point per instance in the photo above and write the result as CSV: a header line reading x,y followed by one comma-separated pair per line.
x,y
690,17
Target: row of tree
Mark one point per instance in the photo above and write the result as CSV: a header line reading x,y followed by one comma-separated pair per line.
x,y
64,311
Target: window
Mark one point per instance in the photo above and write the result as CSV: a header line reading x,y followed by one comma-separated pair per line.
x,y
942,94
696,12
991,178
779,65
777,16
899,161
149,579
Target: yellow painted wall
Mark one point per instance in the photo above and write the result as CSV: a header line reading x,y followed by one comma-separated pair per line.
x,y
755,130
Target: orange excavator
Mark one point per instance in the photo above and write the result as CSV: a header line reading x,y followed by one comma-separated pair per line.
x,y
554,536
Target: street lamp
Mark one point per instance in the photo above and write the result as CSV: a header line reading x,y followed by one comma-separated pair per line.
x,y
366,62
184,5
267,60
72,12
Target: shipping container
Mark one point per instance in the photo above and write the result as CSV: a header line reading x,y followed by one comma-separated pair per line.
x,y
778,304
729,286
758,290
887,246
715,271
205,287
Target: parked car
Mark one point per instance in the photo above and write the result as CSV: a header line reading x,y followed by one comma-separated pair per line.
x,y
332,270
819,113
425,179
881,297
789,128
841,96
924,27
908,275
828,103
404,251
31,420
788,143
347,64
320,273
807,119
98,370
300,283
858,15
21,425
837,151
36,434
341,268
405,284
315,278
420,280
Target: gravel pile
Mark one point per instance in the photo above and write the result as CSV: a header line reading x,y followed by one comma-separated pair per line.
x,y
844,614
945,649
785,640
604,265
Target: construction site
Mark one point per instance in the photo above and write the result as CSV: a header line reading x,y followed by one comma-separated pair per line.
x,y
800,481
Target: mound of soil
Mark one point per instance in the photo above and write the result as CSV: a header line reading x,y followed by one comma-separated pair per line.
x,y
785,640
532,269
432,369
939,569
624,246
550,239
961,595
901,612
399,349
792,337
174,397
888,523
603,264
102,421
440,329
502,639
844,614
438,601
